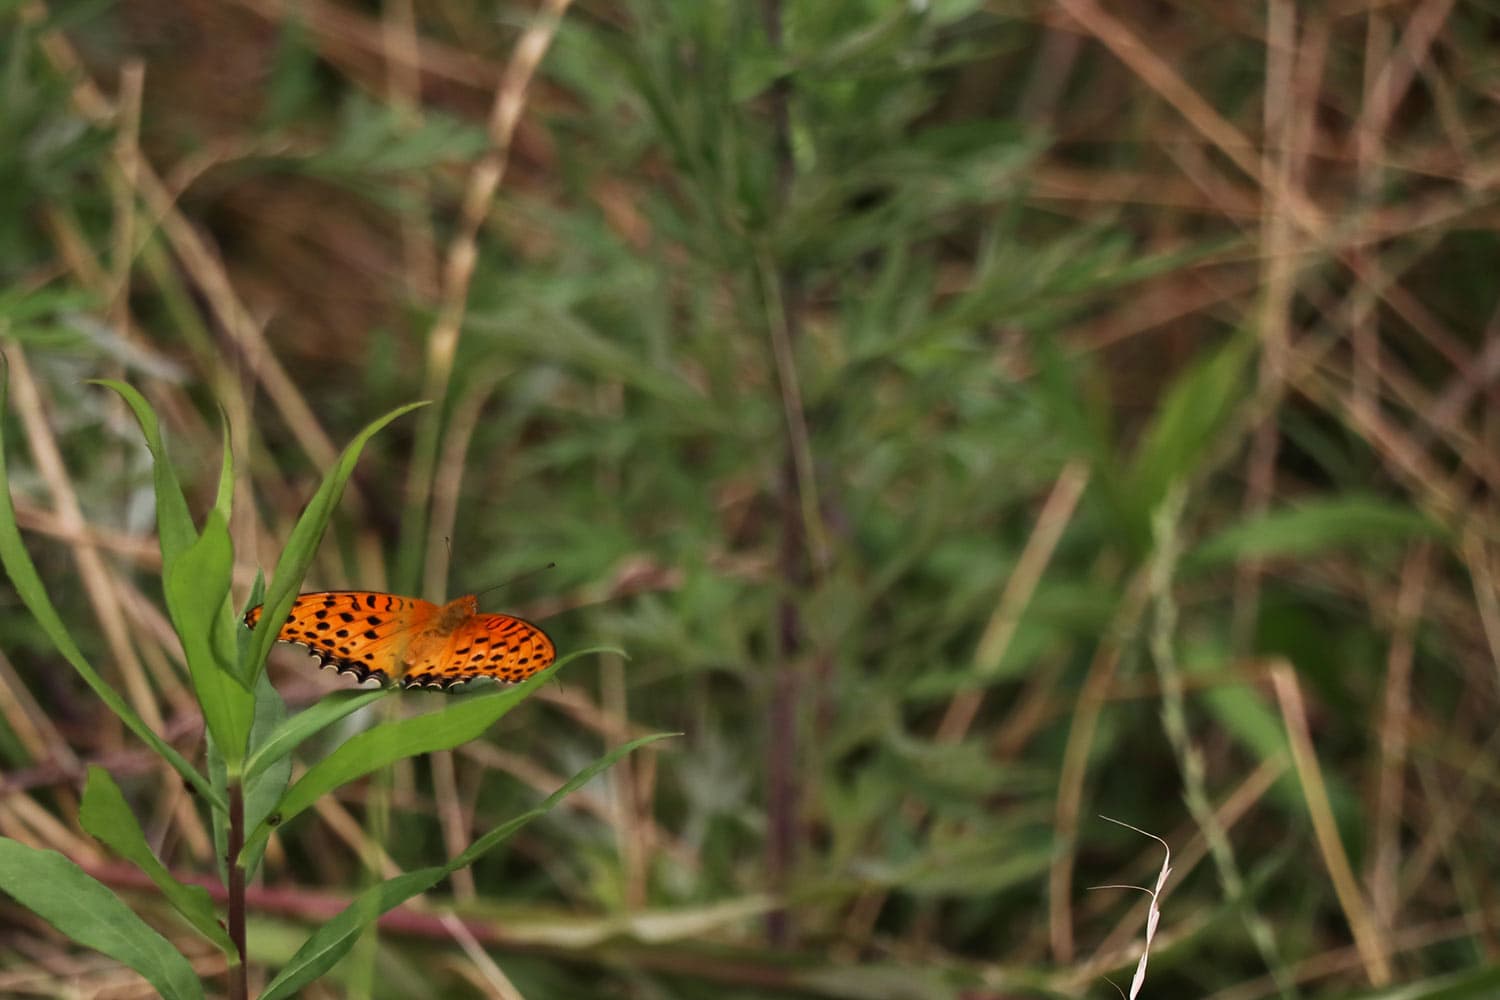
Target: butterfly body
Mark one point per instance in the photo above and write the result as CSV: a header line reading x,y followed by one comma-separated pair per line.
x,y
410,641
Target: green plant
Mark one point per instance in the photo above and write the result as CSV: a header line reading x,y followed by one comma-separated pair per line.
x,y
969,413
250,742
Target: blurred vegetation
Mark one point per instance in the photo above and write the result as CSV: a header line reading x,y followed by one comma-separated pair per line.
x,y
972,417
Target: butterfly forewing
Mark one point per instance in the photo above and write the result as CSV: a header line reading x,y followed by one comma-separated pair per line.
x,y
355,631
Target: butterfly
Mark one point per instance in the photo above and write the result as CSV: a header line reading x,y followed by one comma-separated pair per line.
x,y
411,641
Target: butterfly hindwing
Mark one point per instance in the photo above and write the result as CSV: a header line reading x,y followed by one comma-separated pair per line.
x,y
497,646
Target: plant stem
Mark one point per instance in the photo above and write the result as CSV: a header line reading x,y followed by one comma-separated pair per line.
x,y
238,979
799,528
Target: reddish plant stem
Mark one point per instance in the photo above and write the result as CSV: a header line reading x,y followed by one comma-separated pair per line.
x,y
239,987
785,711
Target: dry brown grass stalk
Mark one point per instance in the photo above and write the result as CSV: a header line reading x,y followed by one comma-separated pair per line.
x,y
1074,773
463,249
1369,937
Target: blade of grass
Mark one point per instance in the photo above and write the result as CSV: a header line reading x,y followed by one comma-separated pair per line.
x,y
1313,527
84,909
333,940
105,814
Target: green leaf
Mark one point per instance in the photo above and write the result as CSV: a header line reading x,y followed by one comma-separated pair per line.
x,y
84,909
292,732
264,790
293,84
1315,526
501,833
373,749
225,497
1195,410
196,574
226,624
300,548
469,716
949,11
270,712
197,587
305,724
28,584
20,305
174,525
333,939
219,775
106,816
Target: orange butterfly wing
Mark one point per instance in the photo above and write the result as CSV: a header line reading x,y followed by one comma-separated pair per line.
x,y
411,640
497,646
359,632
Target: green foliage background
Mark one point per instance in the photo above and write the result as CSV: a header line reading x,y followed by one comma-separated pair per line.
x,y
972,418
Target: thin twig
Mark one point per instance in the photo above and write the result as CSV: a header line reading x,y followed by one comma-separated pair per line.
x,y
1395,729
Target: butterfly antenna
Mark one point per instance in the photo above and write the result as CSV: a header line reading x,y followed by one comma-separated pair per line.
x,y
517,579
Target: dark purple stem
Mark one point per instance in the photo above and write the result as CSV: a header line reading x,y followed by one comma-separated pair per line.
x,y
782,790
239,987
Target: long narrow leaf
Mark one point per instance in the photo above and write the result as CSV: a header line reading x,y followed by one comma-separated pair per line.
x,y
106,816
333,939
311,721
224,499
263,790
197,588
174,525
308,723
1315,526
1188,421
297,556
28,584
373,749
84,909
227,629
195,572
505,831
